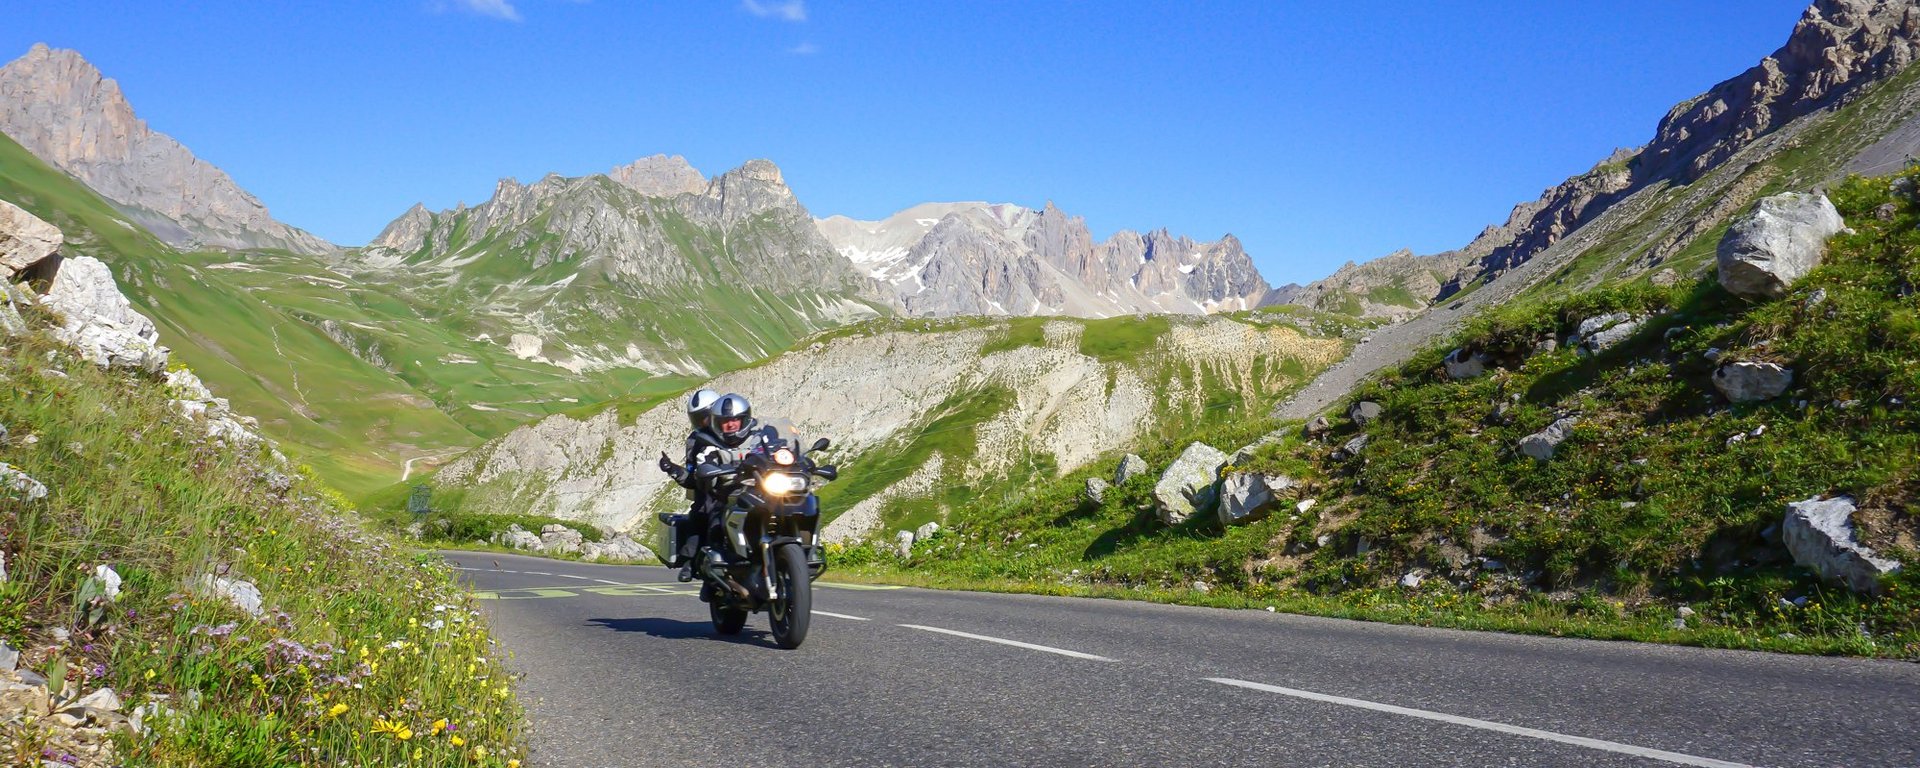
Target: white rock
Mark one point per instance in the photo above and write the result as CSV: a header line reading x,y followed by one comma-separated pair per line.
x,y
104,699
1684,612
1365,412
109,581
99,322
1353,447
1304,505
1130,467
1543,444
1765,252
3,567
1412,580
1202,587
239,593
1097,490
926,531
1249,496
903,543
19,485
1596,334
1461,364
516,537
25,240
621,547
1747,382
1188,484
1819,534
9,658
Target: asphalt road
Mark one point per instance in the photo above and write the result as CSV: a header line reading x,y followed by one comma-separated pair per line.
x,y
622,669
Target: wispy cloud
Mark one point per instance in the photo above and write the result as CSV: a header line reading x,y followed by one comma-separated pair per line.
x,y
784,10
804,49
498,9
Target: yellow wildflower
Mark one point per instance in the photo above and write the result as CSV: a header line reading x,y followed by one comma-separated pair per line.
x,y
337,710
392,728
439,725
514,763
479,752
150,674
459,742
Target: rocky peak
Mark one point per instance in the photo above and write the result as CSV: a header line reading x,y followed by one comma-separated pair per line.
x,y
662,176
1836,46
744,192
63,110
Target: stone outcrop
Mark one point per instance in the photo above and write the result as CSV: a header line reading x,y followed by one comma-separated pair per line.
x,y
942,259
25,240
660,176
60,108
1462,364
1130,466
616,549
1188,485
1819,534
1747,382
98,321
1365,412
1394,286
1598,334
1096,491
1766,251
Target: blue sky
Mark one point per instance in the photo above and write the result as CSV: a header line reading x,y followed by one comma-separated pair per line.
x,y
1316,132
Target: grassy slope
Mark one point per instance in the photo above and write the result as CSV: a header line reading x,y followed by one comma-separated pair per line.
x,y
1648,506
352,421
358,630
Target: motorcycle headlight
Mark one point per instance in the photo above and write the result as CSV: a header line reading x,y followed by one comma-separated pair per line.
x,y
783,457
783,483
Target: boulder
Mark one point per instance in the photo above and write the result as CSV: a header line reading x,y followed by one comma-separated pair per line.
x,y
926,531
1352,448
20,485
1188,484
903,543
97,320
1752,382
563,541
1783,239
1597,334
103,699
1819,534
1665,278
1130,466
517,538
1364,412
1097,490
25,240
1462,364
1249,496
1316,428
1541,445
621,547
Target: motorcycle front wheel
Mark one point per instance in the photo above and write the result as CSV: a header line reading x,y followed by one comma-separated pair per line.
x,y
727,620
793,611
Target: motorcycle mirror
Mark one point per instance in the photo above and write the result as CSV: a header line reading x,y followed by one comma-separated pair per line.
x,y
829,472
821,444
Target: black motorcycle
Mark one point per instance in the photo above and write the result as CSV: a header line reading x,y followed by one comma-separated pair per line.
x,y
762,551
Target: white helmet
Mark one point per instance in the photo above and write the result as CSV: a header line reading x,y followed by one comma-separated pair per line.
x,y
701,404
732,410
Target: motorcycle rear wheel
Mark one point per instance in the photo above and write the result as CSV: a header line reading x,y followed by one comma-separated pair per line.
x,y
794,611
727,620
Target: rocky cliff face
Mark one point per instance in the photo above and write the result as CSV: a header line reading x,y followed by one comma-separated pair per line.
x,y
1837,47
943,259
874,394
1396,286
65,112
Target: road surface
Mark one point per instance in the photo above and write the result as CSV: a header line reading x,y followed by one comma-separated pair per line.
x,y
622,669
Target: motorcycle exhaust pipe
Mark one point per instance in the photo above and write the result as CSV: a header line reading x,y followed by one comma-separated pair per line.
x,y
719,574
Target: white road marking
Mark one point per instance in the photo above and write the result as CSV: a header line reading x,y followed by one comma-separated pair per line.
x,y
840,616
1578,741
1014,643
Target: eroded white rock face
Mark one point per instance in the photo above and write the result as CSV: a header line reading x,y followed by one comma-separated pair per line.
x,y
870,393
1783,239
98,321
25,240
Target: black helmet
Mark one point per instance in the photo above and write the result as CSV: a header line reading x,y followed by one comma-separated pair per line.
x,y
699,405
731,418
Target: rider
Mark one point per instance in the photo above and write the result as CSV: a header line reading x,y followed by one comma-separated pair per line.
x,y
699,408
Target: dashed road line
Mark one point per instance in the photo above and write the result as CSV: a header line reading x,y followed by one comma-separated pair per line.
x,y
839,615
1488,725
1014,643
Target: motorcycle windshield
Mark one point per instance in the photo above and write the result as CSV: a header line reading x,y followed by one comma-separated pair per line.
x,y
783,429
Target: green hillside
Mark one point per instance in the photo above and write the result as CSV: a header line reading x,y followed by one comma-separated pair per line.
x,y
355,423
1664,496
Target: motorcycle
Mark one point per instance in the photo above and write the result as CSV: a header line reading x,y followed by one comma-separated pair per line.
x,y
763,552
